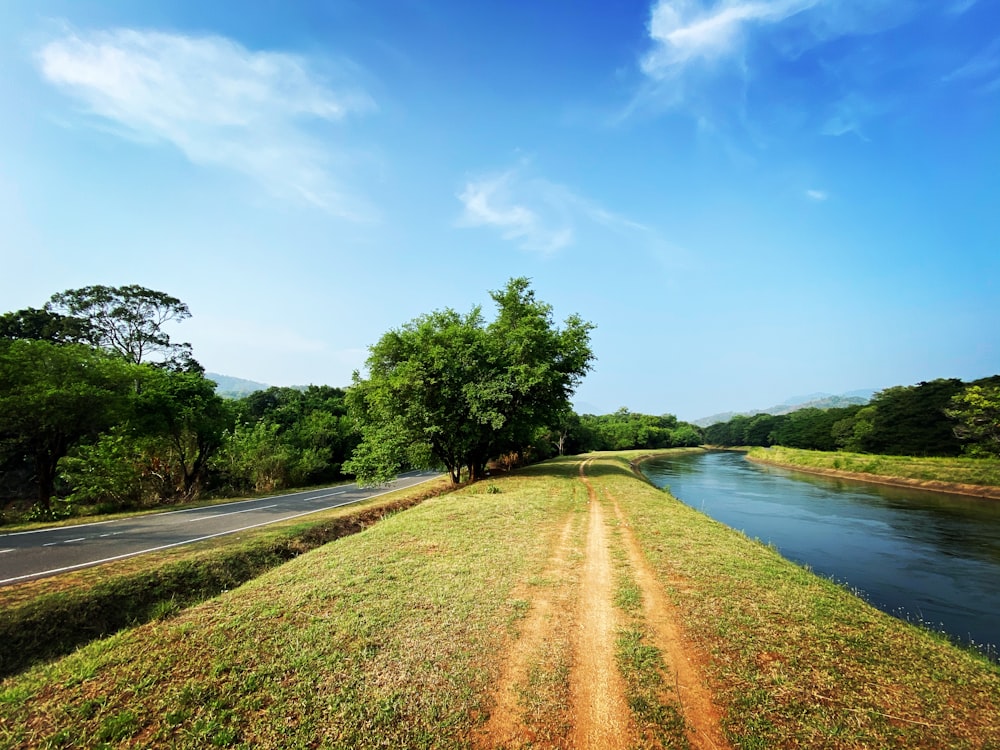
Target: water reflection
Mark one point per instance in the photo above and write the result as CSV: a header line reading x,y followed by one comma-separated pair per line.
x,y
926,556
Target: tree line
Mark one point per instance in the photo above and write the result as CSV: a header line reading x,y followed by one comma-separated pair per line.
x,y
100,408
943,417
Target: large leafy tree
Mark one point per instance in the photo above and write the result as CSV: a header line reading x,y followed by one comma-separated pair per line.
x,y
910,420
447,388
128,320
183,420
976,411
55,396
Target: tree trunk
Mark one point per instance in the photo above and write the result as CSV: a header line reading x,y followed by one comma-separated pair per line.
x,y
45,470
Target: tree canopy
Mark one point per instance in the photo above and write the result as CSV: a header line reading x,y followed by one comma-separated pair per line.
x,y
450,389
976,412
44,325
53,396
128,320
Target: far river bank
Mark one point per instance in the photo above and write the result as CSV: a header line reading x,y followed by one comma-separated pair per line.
x,y
805,461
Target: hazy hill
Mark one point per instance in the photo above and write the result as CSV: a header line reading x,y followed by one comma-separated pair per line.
x,y
230,387
813,400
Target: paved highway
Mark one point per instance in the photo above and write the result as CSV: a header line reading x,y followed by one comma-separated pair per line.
x,y
45,552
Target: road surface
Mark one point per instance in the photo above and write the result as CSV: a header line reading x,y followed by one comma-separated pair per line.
x,y
35,554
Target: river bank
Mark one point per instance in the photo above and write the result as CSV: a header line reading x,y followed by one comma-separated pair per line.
x,y
853,465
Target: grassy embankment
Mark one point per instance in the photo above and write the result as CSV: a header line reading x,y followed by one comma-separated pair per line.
x,y
50,617
973,476
396,636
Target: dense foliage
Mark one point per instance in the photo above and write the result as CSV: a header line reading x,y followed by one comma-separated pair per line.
x,y
625,430
286,437
451,390
99,408
944,417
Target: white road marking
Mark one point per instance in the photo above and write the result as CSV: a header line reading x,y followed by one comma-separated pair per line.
x,y
44,573
172,512
6,550
234,513
70,541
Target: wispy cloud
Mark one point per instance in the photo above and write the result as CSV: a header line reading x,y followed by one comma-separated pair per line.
x,y
961,6
981,71
535,213
682,32
219,103
817,195
709,58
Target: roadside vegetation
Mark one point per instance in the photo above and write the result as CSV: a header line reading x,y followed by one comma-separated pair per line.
x,y
983,472
400,636
101,412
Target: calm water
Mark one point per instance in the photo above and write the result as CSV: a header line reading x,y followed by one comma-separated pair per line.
x,y
923,556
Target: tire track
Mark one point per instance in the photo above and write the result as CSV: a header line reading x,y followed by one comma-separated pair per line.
x,y
507,725
702,718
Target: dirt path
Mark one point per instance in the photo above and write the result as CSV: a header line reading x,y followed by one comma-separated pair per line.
x,y
596,715
602,718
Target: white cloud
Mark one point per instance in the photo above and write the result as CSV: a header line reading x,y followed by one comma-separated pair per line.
x,y
219,103
682,32
537,214
707,56
817,195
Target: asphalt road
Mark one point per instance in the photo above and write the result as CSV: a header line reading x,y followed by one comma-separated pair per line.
x,y
45,552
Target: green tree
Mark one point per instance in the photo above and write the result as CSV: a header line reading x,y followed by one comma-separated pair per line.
x,y
686,435
184,421
758,431
44,325
128,320
110,471
53,397
911,420
308,428
254,458
976,411
449,388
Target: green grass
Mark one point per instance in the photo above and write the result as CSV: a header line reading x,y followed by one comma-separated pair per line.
x,y
649,686
50,617
374,641
395,637
974,471
797,661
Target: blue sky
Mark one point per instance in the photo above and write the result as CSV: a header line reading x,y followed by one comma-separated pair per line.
x,y
751,199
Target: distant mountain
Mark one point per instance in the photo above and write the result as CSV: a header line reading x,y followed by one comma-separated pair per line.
x,y
812,401
814,398
230,387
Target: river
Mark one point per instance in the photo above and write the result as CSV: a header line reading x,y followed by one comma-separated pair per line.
x,y
927,557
